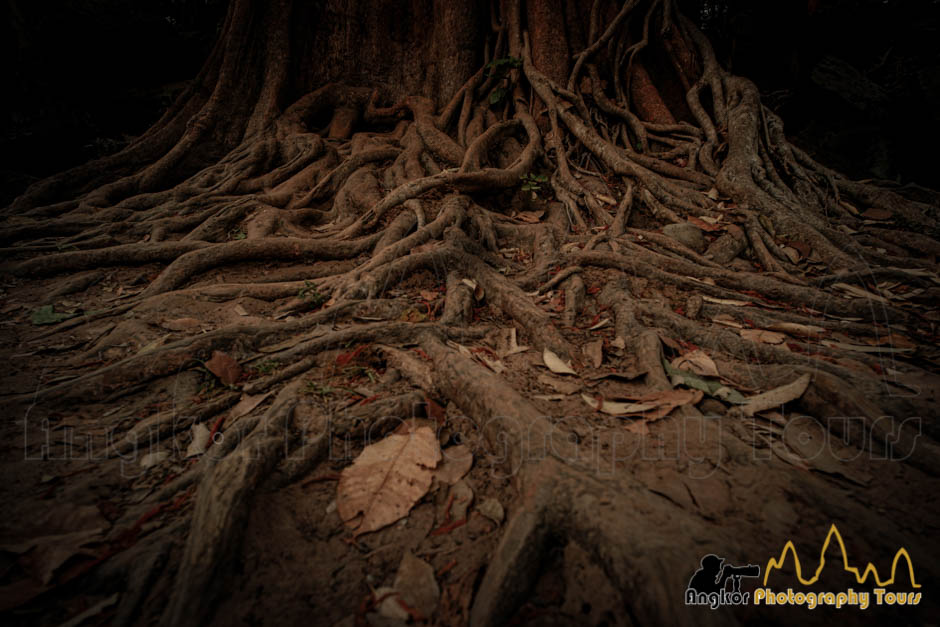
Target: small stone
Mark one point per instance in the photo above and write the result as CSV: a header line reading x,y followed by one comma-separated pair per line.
x,y
688,234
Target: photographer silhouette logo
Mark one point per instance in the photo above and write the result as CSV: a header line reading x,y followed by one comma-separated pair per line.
x,y
716,583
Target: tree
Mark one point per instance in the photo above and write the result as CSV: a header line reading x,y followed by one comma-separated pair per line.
x,y
364,148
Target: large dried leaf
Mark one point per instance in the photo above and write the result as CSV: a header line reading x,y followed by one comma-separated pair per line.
x,y
555,364
224,367
776,397
653,406
387,479
697,362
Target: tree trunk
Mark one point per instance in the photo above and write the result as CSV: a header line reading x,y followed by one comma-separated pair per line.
x,y
433,173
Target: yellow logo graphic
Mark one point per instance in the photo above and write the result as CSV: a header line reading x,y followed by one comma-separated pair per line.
x,y
861,577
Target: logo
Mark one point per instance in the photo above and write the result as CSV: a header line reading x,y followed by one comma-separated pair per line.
x,y
842,598
715,583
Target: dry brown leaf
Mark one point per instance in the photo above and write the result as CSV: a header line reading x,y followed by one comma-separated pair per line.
x,y
476,287
595,352
224,367
241,311
387,479
792,253
728,321
603,323
697,362
245,406
726,301
428,295
416,584
457,461
654,406
555,364
765,337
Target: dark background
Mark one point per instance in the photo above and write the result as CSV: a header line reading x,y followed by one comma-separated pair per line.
x,y
856,81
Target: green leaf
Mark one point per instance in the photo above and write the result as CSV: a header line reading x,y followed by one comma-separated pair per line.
x,y
496,95
713,388
48,315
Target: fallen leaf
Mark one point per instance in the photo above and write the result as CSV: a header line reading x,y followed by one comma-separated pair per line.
x,y
618,342
416,584
658,403
555,364
792,253
246,404
776,397
599,325
389,605
559,385
462,495
200,441
241,311
726,301
456,463
715,389
550,397
765,337
712,193
595,352
387,479
492,509
476,287
154,345
728,321
224,367
48,315
697,362
428,295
